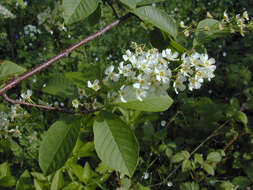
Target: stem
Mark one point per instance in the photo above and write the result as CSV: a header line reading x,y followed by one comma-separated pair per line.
x,y
50,108
64,53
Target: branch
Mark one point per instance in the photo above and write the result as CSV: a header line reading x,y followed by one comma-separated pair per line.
x,y
50,108
65,53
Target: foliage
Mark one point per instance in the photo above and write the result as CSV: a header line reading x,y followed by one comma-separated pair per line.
x,y
179,139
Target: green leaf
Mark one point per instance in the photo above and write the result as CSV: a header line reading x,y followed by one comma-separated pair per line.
x,y
9,69
198,158
126,183
86,150
58,181
78,78
115,143
203,35
241,181
177,47
25,181
148,2
158,40
208,168
226,185
180,156
8,181
21,2
60,86
158,18
249,105
58,143
78,171
213,157
77,10
88,173
95,16
39,176
186,165
241,117
74,185
5,170
130,3
141,187
38,185
189,186
154,102
248,169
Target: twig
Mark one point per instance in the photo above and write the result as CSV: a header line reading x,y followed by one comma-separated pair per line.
x,y
50,108
65,53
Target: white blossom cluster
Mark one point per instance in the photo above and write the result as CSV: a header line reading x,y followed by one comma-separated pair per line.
x,y
240,20
49,18
5,12
152,71
31,31
238,23
5,131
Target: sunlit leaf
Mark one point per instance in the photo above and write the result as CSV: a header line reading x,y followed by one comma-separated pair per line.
x,y
115,143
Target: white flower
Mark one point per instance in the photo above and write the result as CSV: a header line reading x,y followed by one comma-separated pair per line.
x,y
199,75
81,92
75,103
146,175
207,62
140,94
195,61
225,16
169,184
163,123
27,95
122,94
143,65
124,70
111,75
208,73
182,24
194,83
163,74
13,113
245,15
242,32
128,55
239,21
186,69
142,82
179,83
186,33
95,86
169,55
5,12
208,14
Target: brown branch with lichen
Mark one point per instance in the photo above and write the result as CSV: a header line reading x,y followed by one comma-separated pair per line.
x,y
14,82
